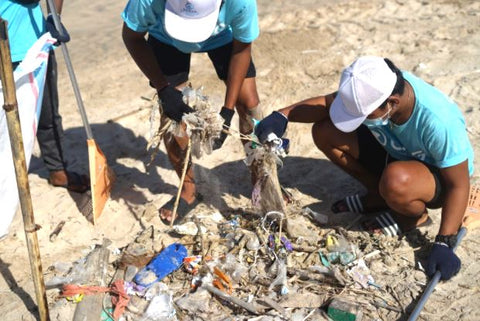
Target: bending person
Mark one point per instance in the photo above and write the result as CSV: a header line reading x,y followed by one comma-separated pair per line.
x,y
399,136
225,31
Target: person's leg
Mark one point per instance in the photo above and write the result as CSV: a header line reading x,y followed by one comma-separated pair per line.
x,y
357,153
50,136
407,187
176,67
177,147
50,130
247,106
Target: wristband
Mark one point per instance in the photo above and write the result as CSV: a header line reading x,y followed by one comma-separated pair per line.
x,y
448,240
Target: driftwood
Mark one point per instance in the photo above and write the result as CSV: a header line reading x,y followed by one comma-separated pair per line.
x,y
56,231
247,306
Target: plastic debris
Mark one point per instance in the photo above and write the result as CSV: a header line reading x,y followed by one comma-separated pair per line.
x,y
161,304
191,263
167,261
189,228
344,310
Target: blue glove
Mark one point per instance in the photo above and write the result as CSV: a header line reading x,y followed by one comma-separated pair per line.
x,y
443,259
172,103
275,123
50,25
227,115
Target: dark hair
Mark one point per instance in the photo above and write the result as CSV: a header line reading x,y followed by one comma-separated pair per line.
x,y
399,85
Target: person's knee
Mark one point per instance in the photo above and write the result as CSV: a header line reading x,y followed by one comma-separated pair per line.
x,y
248,104
394,184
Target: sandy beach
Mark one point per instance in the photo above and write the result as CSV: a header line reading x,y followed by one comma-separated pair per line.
x,y
300,53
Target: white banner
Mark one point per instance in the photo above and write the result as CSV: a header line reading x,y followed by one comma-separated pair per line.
x,y
29,82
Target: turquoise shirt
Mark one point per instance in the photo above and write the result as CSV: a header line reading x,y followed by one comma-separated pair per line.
x,y
435,133
238,19
25,25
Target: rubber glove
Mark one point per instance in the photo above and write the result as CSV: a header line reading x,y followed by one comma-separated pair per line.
x,y
275,123
443,259
50,25
172,103
227,115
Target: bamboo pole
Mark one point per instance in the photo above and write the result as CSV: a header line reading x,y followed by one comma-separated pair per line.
x,y
16,141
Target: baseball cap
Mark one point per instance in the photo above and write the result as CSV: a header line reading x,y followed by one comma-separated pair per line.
x,y
364,86
191,20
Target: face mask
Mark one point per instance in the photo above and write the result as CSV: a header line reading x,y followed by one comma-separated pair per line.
x,y
380,121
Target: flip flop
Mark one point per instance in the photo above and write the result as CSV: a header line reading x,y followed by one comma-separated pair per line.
x,y
75,182
351,203
354,204
182,210
393,225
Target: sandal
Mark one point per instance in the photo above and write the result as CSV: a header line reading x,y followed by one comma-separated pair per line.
x,y
390,224
74,182
351,203
182,210
354,204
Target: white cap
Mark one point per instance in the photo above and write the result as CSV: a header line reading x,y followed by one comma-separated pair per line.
x,y
364,86
191,20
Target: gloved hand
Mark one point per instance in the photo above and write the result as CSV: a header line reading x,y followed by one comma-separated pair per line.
x,y
50,25
227,115
172,103
443,259
275,123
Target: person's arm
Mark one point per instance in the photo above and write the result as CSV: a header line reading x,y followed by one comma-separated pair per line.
x,y
457,188
239,63
306,111
143,56
310,110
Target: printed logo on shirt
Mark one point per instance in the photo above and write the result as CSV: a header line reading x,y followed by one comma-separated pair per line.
x,y
419,154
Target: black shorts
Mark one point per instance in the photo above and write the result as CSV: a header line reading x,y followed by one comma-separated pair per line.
x,y
374,158
176,64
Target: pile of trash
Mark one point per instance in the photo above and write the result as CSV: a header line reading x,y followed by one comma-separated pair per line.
x,y
243,266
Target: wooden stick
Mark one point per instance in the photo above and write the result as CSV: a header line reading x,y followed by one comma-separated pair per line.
x,y
184,172
247,306
56,231
18,153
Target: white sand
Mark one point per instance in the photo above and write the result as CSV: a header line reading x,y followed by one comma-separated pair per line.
x,y
300,53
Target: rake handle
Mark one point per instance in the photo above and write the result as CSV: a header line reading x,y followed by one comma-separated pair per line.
x,y
71,73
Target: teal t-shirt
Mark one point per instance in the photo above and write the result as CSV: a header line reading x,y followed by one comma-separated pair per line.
x,y
25,25
238,19
435,133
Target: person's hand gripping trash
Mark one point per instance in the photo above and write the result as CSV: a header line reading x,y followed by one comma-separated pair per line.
x,y
275,123
227,115
172,103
